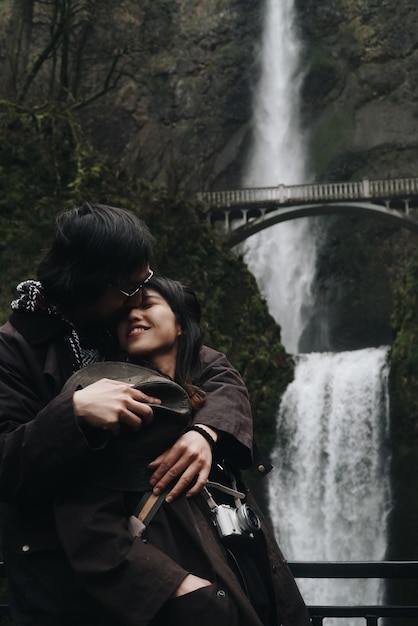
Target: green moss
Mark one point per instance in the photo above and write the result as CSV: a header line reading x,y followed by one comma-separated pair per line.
x,y
319,57
404,375
329,137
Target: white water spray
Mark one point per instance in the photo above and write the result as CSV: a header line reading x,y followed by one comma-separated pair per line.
x,y
282,259
329,494
331,487
278,157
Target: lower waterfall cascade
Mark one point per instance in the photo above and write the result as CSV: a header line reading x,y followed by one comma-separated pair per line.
x,y
330,495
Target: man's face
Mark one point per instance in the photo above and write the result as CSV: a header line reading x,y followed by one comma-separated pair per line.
x,y
117,297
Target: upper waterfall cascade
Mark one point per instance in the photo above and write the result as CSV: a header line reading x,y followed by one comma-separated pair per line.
x,y
282,259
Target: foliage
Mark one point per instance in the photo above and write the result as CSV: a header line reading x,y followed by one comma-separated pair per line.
x,y
47,165
44,163
50,52
404,374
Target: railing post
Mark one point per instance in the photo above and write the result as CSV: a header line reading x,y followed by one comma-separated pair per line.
x,y
366,188
226,221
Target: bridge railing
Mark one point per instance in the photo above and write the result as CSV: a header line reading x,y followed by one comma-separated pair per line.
x,y
394,186
282,194
357,570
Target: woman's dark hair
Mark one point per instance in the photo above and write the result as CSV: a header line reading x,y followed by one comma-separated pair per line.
x,y
94,245
186,308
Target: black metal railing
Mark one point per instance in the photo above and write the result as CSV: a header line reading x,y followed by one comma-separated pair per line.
x,y
304,569
365,569
4,607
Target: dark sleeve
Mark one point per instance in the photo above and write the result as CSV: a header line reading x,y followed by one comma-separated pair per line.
x,y
41,442
227,407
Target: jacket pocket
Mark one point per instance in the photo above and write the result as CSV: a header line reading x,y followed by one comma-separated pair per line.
x,y
206,606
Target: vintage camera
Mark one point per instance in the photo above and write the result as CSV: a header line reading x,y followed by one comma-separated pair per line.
x,y
231,521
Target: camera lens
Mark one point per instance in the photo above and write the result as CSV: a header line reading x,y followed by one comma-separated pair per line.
x,y
248,519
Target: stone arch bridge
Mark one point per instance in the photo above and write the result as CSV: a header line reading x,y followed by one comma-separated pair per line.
x,y
243,212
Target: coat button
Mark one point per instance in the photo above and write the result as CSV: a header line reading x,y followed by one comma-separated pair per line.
x,y
221,593
25,548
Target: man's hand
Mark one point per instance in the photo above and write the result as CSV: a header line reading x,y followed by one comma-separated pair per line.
x,y
109,403
189,584
188,459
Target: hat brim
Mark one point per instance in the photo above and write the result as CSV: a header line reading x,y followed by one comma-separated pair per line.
x,y
174,398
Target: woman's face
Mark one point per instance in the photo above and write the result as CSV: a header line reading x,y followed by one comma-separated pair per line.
x,y
151,331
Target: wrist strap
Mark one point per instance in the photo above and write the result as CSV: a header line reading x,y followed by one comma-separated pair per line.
x,y
204,434
148,506
145,510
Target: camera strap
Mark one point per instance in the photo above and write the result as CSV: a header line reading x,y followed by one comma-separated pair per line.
x,y
149,504
231,491
245,556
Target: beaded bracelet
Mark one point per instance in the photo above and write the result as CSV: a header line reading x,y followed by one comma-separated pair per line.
x,y
204,434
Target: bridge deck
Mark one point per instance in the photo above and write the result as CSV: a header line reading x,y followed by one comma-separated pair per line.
x,y
384,189
244,212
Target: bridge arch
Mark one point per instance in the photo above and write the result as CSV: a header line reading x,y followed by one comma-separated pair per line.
x,y
258,208
283,214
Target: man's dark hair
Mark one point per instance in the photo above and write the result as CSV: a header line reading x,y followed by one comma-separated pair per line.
x,y
94,245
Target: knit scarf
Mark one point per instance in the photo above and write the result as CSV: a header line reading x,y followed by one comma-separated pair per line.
x,y
32,299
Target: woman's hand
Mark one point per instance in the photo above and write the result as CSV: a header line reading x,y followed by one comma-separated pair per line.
x,y
188,459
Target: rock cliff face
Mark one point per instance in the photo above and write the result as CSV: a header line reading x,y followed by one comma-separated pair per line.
x,y
360,107
164,86
181,117
361,89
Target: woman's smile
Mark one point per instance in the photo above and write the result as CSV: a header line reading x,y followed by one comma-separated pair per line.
x,y
151,331
137,330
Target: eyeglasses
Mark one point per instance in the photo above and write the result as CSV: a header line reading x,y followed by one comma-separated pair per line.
x,y
138,289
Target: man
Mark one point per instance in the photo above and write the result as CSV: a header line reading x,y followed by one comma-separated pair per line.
x,y
96,266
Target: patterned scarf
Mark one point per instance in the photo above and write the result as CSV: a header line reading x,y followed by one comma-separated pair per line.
x,y
32,299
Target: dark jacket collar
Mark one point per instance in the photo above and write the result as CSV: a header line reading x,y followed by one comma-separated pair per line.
x,y
38,328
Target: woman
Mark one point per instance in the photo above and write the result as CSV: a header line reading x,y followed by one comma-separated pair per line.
x,y
196,577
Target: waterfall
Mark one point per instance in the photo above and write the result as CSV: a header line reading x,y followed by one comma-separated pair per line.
x,y
282,259
331,489
329,494
279,157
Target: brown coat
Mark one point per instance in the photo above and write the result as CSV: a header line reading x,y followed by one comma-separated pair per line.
x,y
43,452
180,539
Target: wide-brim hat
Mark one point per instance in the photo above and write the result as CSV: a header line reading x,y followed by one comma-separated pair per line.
x,y
127,453
174,398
